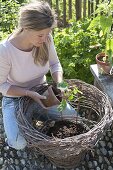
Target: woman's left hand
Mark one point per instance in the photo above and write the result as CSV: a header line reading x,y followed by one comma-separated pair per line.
x,y
36,97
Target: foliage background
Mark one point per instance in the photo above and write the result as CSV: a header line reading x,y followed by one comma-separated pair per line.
x,y
72,43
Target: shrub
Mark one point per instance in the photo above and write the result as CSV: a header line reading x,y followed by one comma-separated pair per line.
x,y
73,48
8,12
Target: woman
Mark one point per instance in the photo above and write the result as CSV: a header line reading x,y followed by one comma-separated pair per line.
x,y
25,58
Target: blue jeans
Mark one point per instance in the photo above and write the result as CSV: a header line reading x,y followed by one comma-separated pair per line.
x,y
14,137
9,108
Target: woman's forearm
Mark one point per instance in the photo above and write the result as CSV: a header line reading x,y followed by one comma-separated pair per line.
x,y
16,91
57,76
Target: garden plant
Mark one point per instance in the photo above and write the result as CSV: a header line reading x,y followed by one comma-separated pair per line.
x,y
104,22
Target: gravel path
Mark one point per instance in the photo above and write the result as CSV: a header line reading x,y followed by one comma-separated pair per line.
x,y
101,158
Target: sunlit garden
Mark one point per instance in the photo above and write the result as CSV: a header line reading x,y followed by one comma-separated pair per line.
x,y
85,140
76,45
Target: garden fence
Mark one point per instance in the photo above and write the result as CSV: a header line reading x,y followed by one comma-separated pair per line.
x,y
76,9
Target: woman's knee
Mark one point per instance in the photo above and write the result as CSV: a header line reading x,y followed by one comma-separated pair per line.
x,y
15,138
18,144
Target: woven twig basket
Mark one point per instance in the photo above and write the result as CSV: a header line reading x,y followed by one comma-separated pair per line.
x,y
68,152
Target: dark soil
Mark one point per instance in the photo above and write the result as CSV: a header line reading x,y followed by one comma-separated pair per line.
x,y
57,92
63,129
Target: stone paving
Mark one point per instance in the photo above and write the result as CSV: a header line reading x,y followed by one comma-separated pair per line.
x,y
101,158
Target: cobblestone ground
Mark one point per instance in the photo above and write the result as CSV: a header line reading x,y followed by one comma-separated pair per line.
x,y
100,159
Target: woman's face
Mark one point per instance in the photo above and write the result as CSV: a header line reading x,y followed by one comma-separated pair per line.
x,y
37,38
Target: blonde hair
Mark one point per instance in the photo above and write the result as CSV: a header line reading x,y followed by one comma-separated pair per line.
x,y
37,16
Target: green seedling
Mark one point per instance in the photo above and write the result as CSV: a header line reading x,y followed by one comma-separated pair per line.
x,y
67,94
62,86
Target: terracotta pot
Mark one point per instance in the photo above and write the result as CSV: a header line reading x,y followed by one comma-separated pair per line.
x,y
103,67
51,98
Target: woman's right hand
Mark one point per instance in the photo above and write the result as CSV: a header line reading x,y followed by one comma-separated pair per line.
x,y
36,97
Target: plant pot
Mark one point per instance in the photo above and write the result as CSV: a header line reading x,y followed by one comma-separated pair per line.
x,y
51,98
103,67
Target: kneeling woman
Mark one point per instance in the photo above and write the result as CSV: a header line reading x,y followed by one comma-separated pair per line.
x,y
25,58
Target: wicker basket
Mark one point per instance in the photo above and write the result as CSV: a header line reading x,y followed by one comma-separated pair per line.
x,y
68,152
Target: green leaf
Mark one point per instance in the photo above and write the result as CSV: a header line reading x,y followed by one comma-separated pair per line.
x,y
71,97
62,105
101,33
76,90
106,23
94,23
109,44
110,52
62,86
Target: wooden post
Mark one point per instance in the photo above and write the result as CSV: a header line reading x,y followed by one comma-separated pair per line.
x,y
92,7
84,8
64,13
57,9
70,8
89,8
78,9
97,2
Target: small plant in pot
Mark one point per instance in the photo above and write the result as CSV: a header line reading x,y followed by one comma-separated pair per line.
x,y
104,23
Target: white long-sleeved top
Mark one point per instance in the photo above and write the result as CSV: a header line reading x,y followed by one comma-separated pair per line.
x,y
17,67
